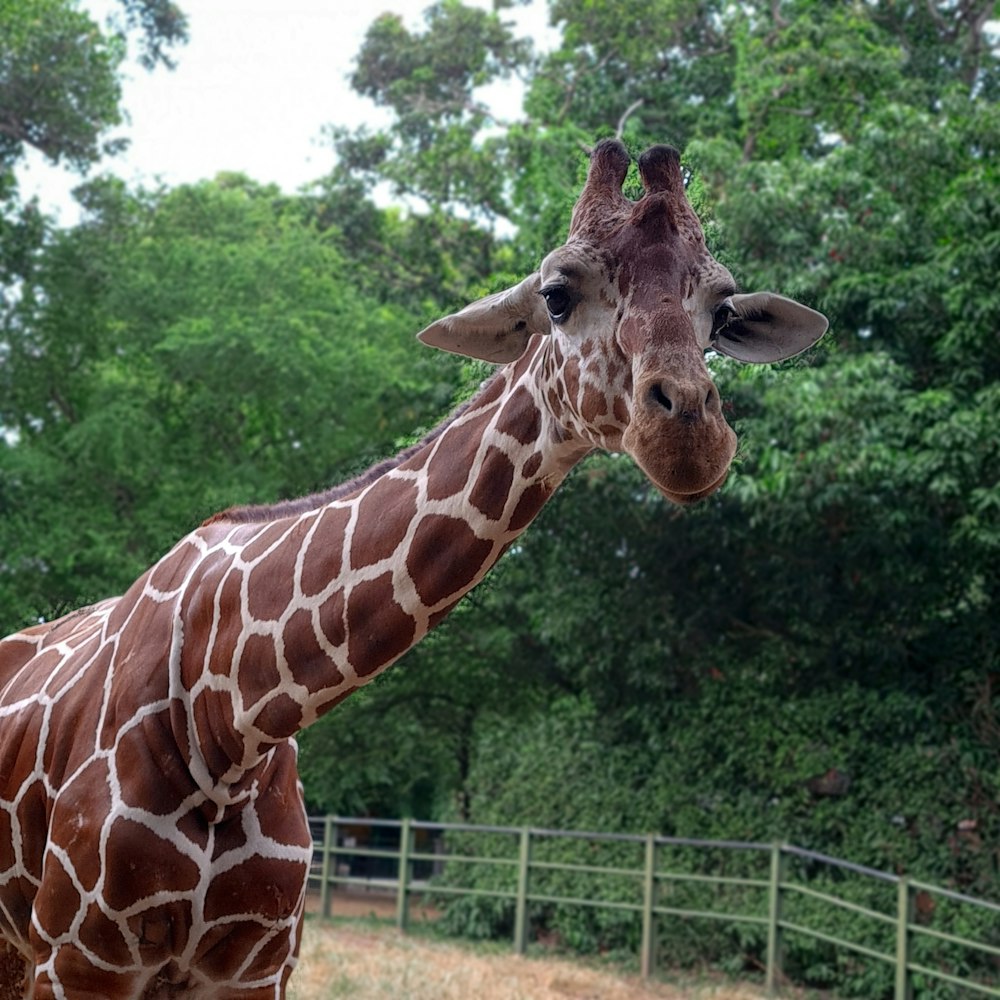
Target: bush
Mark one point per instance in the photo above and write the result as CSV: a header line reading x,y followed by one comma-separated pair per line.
x,y
871,779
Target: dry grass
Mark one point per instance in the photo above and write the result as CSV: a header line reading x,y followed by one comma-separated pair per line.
x,y
378,963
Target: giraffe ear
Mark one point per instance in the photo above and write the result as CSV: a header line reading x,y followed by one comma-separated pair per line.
x,y
495,328
764,327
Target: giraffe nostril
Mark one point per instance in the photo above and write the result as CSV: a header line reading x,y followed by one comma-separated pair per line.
x,y
689,401
658,396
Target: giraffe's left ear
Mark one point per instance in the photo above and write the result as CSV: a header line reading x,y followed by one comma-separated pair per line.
x,y
763,327
495,328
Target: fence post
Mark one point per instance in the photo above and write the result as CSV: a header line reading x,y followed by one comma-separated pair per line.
x,y
329,842
403,880
774,949
521,904
904,914
647,959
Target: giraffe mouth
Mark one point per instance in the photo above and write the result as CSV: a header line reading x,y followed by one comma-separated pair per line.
x,y
686,499
677,433
686,461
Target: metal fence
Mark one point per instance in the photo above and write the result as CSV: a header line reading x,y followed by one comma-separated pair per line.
x,y
784,891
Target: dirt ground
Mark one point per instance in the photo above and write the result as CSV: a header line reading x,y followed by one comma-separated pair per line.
x,y
341,960
359,904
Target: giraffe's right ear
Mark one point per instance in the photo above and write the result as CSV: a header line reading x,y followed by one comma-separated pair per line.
x,y
495,328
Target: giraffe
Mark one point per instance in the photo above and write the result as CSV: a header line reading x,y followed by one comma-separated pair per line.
x,y
153,837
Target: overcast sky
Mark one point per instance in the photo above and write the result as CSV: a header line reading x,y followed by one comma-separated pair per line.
x,y
251,92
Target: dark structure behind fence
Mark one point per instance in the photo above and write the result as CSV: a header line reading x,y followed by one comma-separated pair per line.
x,y
782,890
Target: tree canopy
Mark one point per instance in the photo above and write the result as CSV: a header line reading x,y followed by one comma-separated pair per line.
x,y
628,665
844,154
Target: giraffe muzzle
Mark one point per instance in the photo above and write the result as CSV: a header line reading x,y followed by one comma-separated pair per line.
x,y
679,437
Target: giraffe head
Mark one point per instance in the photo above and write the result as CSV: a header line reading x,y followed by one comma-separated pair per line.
x,y
619,319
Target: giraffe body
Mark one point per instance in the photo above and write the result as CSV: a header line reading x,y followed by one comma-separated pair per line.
x,y
153,839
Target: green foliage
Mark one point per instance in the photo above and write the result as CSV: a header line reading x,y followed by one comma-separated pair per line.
x,y
872,775
59,76
60,94
429,79
58,82
422,262
809,655
180,352
162,24
359,759
673,56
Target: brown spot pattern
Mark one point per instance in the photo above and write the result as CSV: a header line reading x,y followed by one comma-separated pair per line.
x,y
331,619
221,744
595,404
270,587
571,377
103,937
620,410
449,469
31,815
57,900
7,856
192,825
492,486
229,622
197,611
380,629
282,879
258,673
280,718
312,667
141,863
170,571
445,557
555,403
532,465
384,515
87,797
520,417
322,560
529,505
264,538
71,962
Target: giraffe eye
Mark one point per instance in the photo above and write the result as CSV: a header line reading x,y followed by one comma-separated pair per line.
x,y
724,312
558,301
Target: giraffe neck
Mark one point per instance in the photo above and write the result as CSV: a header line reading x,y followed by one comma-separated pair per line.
x,y
281,620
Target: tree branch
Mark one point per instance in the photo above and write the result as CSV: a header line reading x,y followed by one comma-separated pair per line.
x,y
634,106
571,90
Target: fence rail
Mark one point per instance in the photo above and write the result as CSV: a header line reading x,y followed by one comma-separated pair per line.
x,y
390,857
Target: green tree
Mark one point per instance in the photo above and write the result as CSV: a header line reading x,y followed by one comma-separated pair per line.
x,y
435,148
845,154
59,75
428,260
629,665
182,351
60,94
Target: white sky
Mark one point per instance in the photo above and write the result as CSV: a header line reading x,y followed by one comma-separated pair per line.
x,y
252,90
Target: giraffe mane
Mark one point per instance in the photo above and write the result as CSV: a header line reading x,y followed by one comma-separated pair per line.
x,y
262,513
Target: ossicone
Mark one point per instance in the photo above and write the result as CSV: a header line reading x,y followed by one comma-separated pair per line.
x,y
660,170
609,163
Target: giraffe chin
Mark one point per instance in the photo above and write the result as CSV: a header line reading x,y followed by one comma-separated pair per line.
x,y
686,499
686,463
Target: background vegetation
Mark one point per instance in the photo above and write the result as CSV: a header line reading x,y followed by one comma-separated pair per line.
x,y
811,655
